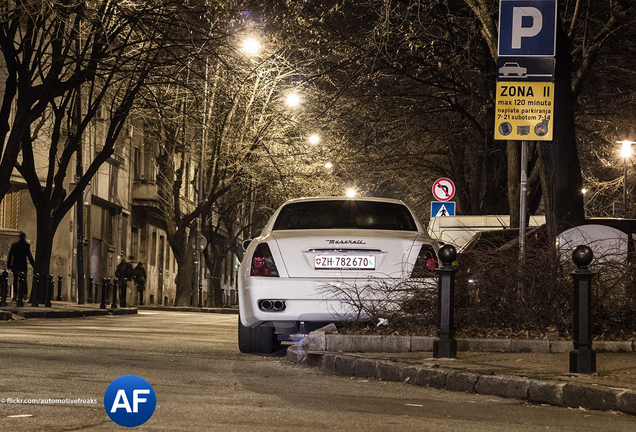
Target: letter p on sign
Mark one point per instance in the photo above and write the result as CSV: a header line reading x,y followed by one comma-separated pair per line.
x,y
518,29
527,28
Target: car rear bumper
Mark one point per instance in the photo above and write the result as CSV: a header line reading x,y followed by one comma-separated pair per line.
x,y
318,300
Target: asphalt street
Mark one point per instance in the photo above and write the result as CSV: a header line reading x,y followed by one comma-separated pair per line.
x,y
202,382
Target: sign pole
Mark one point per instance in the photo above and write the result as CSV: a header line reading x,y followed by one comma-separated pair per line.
x,y
522,199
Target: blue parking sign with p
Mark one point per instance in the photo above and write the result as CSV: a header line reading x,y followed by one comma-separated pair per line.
x,y
527,28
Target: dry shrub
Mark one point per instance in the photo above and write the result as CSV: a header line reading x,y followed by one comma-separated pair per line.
x,y
497,295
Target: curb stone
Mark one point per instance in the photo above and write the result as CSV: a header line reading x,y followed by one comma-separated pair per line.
x,y
598,398
74,313
461,381
320,340
546,392
508,387
232,311
535,391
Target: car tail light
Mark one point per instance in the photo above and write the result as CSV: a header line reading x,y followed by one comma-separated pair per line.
x,y
263,262
426,262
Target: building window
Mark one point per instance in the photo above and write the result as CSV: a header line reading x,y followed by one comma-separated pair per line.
x,y
153,249
137,167
10,211
109,221
134,237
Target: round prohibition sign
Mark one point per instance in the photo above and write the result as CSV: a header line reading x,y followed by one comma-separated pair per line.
x,y
443,189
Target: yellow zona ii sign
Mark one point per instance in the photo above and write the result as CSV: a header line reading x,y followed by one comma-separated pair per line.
x,y
524,111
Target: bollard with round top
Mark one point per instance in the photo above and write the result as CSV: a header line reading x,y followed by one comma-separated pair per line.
x,y
4,285
446,345
102,304
50,288
21,289
583,357
90,290
113,305
59,288
123,293
34,290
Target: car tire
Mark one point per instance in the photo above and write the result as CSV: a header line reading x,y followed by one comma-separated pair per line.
x,y
256,340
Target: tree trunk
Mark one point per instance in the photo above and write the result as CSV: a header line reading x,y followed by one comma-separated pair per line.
x,y
212,261
184,254
561,179
46,228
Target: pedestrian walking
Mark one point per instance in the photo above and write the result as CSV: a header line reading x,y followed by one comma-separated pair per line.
x,y
124,271
17,263
139,275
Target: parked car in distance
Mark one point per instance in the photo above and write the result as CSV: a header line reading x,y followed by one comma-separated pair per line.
x,y
311,243
611,239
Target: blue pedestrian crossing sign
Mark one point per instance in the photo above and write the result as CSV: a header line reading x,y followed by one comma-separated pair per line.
x,y
439,208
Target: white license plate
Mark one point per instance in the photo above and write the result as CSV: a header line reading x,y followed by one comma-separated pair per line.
x,y
345,262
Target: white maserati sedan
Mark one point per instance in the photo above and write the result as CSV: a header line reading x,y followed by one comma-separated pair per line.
x,y
317,258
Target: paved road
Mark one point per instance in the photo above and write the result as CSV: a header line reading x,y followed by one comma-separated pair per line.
x,y
203,383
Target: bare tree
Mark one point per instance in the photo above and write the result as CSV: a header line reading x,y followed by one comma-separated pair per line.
x,y
423,74
224,132
64,62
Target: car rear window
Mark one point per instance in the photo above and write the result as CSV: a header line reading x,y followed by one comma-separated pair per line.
x,y
345,214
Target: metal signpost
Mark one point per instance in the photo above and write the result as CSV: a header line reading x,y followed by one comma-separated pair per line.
x,y
525,81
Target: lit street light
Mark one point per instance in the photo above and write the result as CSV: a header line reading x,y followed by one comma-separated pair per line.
x,y
293,100
626,153
328,165
351,193
251,46
314,139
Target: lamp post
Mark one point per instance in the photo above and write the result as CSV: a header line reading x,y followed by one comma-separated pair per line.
x,y
626,152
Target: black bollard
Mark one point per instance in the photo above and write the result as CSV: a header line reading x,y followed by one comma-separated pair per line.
x,y
102,305
446,345
4,286
123,294
21,288
90,290
113,305
34,290
583,357
59,288
50,289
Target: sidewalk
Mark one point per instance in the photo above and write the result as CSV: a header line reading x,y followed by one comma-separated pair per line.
x,y
535,371
59,309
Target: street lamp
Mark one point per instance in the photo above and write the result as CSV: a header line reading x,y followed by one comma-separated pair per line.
x,y
351,193
251,47
293,100
626,152
314,139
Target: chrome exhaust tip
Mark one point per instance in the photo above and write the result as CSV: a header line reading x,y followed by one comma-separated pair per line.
x,y
272,305
265,305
